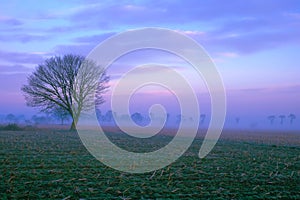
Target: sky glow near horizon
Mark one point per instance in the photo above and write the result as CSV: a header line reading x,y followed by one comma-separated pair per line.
x,y
255,46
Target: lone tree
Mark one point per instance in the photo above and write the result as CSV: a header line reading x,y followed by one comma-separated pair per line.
x,y
70,83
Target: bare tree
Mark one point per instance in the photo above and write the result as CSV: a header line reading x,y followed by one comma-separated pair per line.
x,y
202,118
109,117
292,118
282,117
11,118
271,118
137,117
180,118
60,114
70,82
237,120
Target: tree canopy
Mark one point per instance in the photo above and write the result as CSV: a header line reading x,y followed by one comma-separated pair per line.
x,y
70,82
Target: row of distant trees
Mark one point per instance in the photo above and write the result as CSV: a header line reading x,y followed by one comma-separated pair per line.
x,y
52,118
138,117
62,117
141,119
107,117
291,117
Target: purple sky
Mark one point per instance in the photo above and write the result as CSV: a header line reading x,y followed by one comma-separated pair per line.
x,y
255,46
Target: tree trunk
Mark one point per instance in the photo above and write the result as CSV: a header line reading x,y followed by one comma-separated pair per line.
x,y
74,122
73,126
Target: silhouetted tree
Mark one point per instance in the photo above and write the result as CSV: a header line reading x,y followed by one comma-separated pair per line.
x,y
39,119
28,122
59,82
282,117
202,118
60,114
137,117
99,114
11,118
2,118
109,116
178,118
237,120
292,118
168,117
21,118
271,118
34,118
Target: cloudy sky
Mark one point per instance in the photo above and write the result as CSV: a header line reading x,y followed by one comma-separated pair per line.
x,y
254,44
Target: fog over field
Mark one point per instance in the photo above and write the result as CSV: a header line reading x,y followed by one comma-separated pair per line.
x,y
255,52
149,99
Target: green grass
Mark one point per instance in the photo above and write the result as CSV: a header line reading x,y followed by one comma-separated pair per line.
x,y
55,165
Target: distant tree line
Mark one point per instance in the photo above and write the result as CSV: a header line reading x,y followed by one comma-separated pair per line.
x,y
140,119
282,118
52,118
61,117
